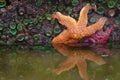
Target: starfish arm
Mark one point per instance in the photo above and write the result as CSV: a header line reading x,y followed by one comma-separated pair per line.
x,y
82,66
95,27
62,37
72,41
64,66
67,21
97,59
83,18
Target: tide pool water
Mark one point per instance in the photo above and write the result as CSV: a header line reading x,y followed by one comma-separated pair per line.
x,y
27,64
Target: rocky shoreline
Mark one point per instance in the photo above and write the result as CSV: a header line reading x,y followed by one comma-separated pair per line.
x,y
29,21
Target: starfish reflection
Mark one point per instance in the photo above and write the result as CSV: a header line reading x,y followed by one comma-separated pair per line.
x,y
76,56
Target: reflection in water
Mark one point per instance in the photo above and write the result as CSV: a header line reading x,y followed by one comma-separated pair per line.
x,y
76,56
24,64
102,49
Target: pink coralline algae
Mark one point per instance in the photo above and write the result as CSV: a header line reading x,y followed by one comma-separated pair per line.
x,y
100,36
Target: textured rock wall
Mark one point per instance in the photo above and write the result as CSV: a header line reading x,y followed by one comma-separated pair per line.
x,y
29,21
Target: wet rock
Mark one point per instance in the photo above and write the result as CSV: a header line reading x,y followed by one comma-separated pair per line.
x,y
31,10
27,37
36,37
48,33
43,39
118,6
57,29
2,3
4,37
100,10
92,19
111,4
30,41
13,31
20,37
69,10
20,27
33,18
34,30
12,25
1,27
3,10
10,42
10,7
111,13
77,8
38,26
38,3
21,10
75,2
54,1
67,2
26,21
7,17
60,7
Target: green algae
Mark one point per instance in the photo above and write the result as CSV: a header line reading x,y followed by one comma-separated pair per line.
x,y
1,27
100,10
48,33
111,4
12,25
75,2
20,37
13,31
20,27
2,3
38,3
36,37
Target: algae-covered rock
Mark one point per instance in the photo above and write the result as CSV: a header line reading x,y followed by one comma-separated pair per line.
x,y
2,3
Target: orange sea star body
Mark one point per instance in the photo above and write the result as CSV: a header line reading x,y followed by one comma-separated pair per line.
x,y
77,30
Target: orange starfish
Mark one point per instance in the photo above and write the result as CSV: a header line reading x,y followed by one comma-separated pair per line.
x,y
76,56
77,30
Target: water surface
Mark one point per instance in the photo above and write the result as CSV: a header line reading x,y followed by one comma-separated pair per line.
x,y
27,64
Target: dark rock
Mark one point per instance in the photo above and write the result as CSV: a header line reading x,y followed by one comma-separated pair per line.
x,y
21,10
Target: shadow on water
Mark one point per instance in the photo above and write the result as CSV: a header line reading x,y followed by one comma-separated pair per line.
x,y
44,64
